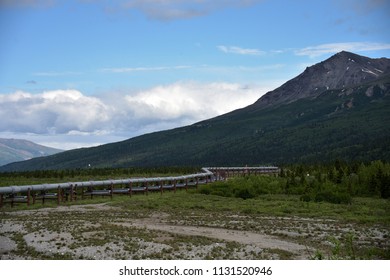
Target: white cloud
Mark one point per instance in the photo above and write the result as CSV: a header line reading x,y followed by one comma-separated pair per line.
x,y
71,116
314,51
144,69
57,111
239,50
192,100
183,103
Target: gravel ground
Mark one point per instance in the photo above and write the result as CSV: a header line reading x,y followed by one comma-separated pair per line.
x,y
103,232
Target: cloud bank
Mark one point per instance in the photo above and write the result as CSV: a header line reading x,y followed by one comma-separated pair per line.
x,y
59,111
120,114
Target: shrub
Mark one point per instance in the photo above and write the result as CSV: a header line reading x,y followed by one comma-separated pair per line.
x,y
333,197
217,188
205,189
305,198
245,193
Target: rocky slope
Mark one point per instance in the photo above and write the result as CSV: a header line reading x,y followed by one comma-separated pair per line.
x,y
341,71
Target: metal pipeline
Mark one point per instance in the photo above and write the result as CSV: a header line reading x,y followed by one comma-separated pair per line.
x,y
206,171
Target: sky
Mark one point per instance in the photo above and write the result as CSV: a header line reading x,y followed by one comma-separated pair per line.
x,y
80,73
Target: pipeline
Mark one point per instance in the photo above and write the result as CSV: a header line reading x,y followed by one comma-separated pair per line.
x,y
208,174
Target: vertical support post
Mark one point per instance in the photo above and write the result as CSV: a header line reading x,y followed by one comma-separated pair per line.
x,y
174,186
28,197
71,193
82,193
33,195
64,195
111,190
130,189
197,182
58,195
147,188
43,197
186,184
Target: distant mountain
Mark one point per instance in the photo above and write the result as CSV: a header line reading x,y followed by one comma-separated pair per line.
x,y
12,150
336,109
343,70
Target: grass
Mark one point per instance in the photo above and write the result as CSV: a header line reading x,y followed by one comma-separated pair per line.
x,y
362,209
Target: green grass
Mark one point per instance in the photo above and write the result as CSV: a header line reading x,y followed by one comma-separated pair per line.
x,y
362,209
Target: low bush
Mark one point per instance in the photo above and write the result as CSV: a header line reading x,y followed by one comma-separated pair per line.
x,y
332,197
245,187
309,189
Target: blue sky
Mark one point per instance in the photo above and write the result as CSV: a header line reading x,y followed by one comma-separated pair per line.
x,y
85,72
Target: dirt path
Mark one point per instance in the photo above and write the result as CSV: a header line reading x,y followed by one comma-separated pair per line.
x,y
244,237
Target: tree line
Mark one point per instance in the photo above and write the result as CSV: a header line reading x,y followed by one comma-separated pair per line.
x,y
338,182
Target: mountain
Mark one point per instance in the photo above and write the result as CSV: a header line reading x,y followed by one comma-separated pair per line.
x,y
12,150
343,70
336,109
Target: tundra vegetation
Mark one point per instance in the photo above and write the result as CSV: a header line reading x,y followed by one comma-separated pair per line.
x,y
330,211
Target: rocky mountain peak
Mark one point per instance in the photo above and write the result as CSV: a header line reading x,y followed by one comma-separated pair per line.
x,y
342,70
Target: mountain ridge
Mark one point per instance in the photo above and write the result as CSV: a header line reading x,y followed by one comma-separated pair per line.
x,y
302,125
342,70
12,150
